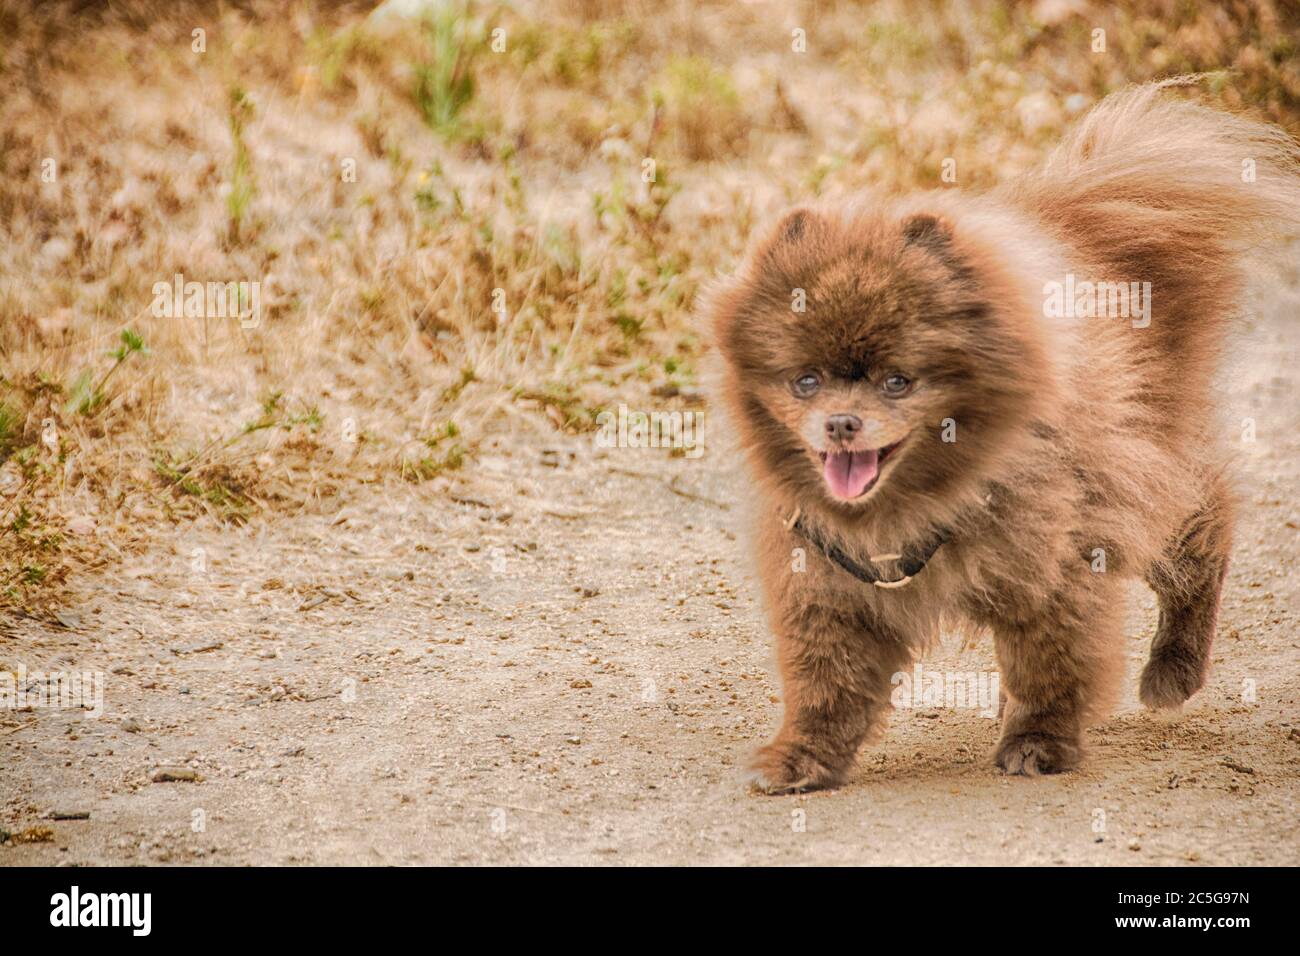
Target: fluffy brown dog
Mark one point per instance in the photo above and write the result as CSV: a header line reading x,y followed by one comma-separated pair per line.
x,y
945,427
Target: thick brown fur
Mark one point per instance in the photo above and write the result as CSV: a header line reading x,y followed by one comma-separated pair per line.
x,y
1085,450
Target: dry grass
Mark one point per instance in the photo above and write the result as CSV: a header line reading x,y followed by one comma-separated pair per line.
x,y
499,262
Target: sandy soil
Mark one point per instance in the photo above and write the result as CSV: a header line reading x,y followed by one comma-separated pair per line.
x,y
568,665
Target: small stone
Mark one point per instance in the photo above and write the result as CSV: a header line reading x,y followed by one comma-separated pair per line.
x,y
55,324
1075,103
11,478
81,525
176,775
57,249
199,648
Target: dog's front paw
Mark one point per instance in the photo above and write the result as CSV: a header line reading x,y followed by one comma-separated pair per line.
x,y
1033,753
782,767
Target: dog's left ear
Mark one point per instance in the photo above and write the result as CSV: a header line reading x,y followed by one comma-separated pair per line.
x,y
929,232
934,234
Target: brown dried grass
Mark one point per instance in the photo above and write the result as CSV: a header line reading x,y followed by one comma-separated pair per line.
x,y
377,298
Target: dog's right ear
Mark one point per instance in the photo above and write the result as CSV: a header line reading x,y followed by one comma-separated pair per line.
x,y
795,224
764,283
795,227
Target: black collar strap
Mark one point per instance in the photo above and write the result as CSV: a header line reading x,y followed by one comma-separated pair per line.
x,y
909,563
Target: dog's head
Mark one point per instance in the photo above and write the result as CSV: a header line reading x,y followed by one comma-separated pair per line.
x,y
868,357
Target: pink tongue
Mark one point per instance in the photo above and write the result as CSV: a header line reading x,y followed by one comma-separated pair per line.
x,y
849,472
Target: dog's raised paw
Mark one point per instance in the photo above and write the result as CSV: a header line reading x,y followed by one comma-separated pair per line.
x,y
780,768
1168,680
1031,754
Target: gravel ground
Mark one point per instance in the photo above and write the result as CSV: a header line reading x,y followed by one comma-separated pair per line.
x,y
567,664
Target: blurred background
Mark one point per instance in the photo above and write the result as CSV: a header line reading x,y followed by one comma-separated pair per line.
x,y
471,222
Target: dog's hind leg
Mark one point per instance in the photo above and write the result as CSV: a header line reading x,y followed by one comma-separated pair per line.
x,y
1187,582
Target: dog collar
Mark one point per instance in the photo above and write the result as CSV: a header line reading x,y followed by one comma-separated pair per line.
x,y
910,562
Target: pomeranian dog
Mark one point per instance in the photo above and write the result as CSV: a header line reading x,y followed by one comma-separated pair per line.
x,y
989,411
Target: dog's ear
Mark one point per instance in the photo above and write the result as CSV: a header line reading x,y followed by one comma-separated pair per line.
x,y
929,232
796,225
934,235
795,228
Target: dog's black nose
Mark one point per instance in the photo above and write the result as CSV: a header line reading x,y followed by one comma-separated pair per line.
x,y
843,428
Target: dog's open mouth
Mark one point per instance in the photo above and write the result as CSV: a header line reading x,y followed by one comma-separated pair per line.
x,y
851,474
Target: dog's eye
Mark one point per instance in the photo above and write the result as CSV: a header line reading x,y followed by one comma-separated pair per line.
x,y
806,384
896,385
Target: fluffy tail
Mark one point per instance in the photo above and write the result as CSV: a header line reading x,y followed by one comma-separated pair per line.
x,y
1162,174
1149,187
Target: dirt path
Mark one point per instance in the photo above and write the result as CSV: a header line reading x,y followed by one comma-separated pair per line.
x,y
569,665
